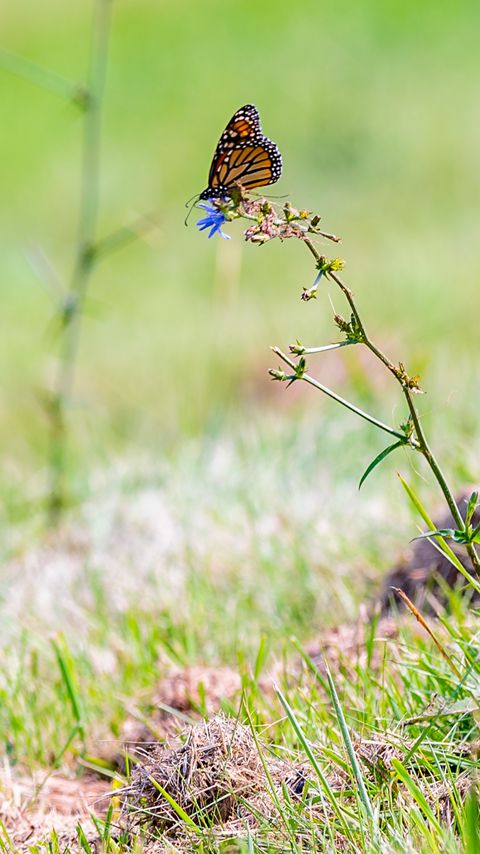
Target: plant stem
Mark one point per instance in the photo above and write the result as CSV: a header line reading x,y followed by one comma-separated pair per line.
x,y
308,379
85,258
44,77
308,351
440,478
422,445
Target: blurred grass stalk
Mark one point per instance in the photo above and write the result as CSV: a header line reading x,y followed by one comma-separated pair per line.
x,y
85,257
46,78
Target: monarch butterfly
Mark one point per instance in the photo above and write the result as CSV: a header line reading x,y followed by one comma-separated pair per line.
x,y
243,156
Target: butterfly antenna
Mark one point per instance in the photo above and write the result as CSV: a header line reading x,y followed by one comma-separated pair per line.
x,y
191,204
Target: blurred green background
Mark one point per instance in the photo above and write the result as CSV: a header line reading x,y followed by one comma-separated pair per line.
x,y
375,107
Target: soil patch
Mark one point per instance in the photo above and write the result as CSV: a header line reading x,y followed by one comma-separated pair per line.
x,y
30,813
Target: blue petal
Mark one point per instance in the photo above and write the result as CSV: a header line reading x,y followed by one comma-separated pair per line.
x,y
214,220
208,206
206,222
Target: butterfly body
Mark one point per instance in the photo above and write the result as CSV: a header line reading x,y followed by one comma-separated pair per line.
x,y
243,156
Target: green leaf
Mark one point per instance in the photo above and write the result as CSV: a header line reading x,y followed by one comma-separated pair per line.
x,y
476,534
379,459
438,542
417,794
471,507
447,533
460,537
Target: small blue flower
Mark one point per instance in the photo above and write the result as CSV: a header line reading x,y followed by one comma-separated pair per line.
x,y
214,220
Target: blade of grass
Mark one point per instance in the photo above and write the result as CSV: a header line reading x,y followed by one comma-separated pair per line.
x,y
83,840
260,658
6,841
418,616
438,542
66,668
273,791
417,795
178,809
313,761
349,746
471,823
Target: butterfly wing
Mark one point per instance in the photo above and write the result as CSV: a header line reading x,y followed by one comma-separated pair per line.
x,y
243,156
251,166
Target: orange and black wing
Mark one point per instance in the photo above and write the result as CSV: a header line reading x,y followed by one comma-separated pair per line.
x,y
243,156
251,166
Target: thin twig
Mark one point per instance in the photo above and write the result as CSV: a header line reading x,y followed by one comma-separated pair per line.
x,y
419,617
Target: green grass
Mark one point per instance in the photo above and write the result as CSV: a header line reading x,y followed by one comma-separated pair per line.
x,y
227,555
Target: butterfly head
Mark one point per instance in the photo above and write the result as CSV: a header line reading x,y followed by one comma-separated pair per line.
x,y
210,193
223,195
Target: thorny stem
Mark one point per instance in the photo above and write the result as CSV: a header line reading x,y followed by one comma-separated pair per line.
x,y
422,443
308,379
85,253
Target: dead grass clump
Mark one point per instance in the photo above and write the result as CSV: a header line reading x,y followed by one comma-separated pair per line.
x,y
376,756
215,774
443,799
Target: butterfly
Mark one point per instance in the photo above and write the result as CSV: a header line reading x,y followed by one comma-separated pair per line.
x,y
243,156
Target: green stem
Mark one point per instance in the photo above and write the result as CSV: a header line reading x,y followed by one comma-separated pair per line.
x,y
308,351
422,444
351,406
85,256
440,477
44,77
121,237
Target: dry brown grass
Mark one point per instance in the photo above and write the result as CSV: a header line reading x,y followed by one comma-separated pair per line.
x,y
30,810
217,774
